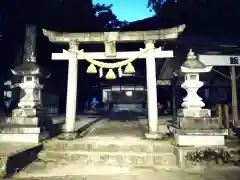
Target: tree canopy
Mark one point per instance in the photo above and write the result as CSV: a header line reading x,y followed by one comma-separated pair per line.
x,y
222,15
211,8
106,17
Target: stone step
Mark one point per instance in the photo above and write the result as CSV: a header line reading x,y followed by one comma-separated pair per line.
x,y
41,170
109,145
109,158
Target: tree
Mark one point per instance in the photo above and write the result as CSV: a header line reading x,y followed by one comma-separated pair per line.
x,y
204,14
207,8
106,17
155,5
173,6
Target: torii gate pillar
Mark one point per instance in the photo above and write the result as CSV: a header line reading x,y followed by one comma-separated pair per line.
x,y
69,127
151,93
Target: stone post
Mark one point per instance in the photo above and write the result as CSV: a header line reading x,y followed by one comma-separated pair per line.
x,y
234,97
71,91
151,92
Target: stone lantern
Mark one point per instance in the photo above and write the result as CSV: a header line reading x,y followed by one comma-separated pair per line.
x,y
27,118
196,126
192,103
30,74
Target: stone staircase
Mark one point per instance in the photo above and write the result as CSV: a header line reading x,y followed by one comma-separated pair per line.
x,y
116,149
117,152
106,148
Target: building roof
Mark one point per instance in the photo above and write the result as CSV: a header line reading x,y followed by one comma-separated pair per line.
x,y
202,35
202,30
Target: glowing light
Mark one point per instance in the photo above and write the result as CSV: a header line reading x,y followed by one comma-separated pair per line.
x,y
129,93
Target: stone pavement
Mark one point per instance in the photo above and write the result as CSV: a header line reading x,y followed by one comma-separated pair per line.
x,y
81,120
108,173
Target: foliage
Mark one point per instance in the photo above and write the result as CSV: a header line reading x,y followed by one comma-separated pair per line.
x,y
155,4
200,7
173,6
217,156
106,17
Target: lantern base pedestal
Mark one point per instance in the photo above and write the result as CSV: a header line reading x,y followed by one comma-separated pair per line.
x,y
28,112
19,133
23,126
196,127
200,137
194,112
199,123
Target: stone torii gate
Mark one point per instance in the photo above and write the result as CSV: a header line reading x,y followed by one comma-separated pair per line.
x,y
110,39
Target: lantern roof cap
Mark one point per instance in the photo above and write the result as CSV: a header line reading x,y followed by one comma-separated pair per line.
x,y
192,61
29,68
